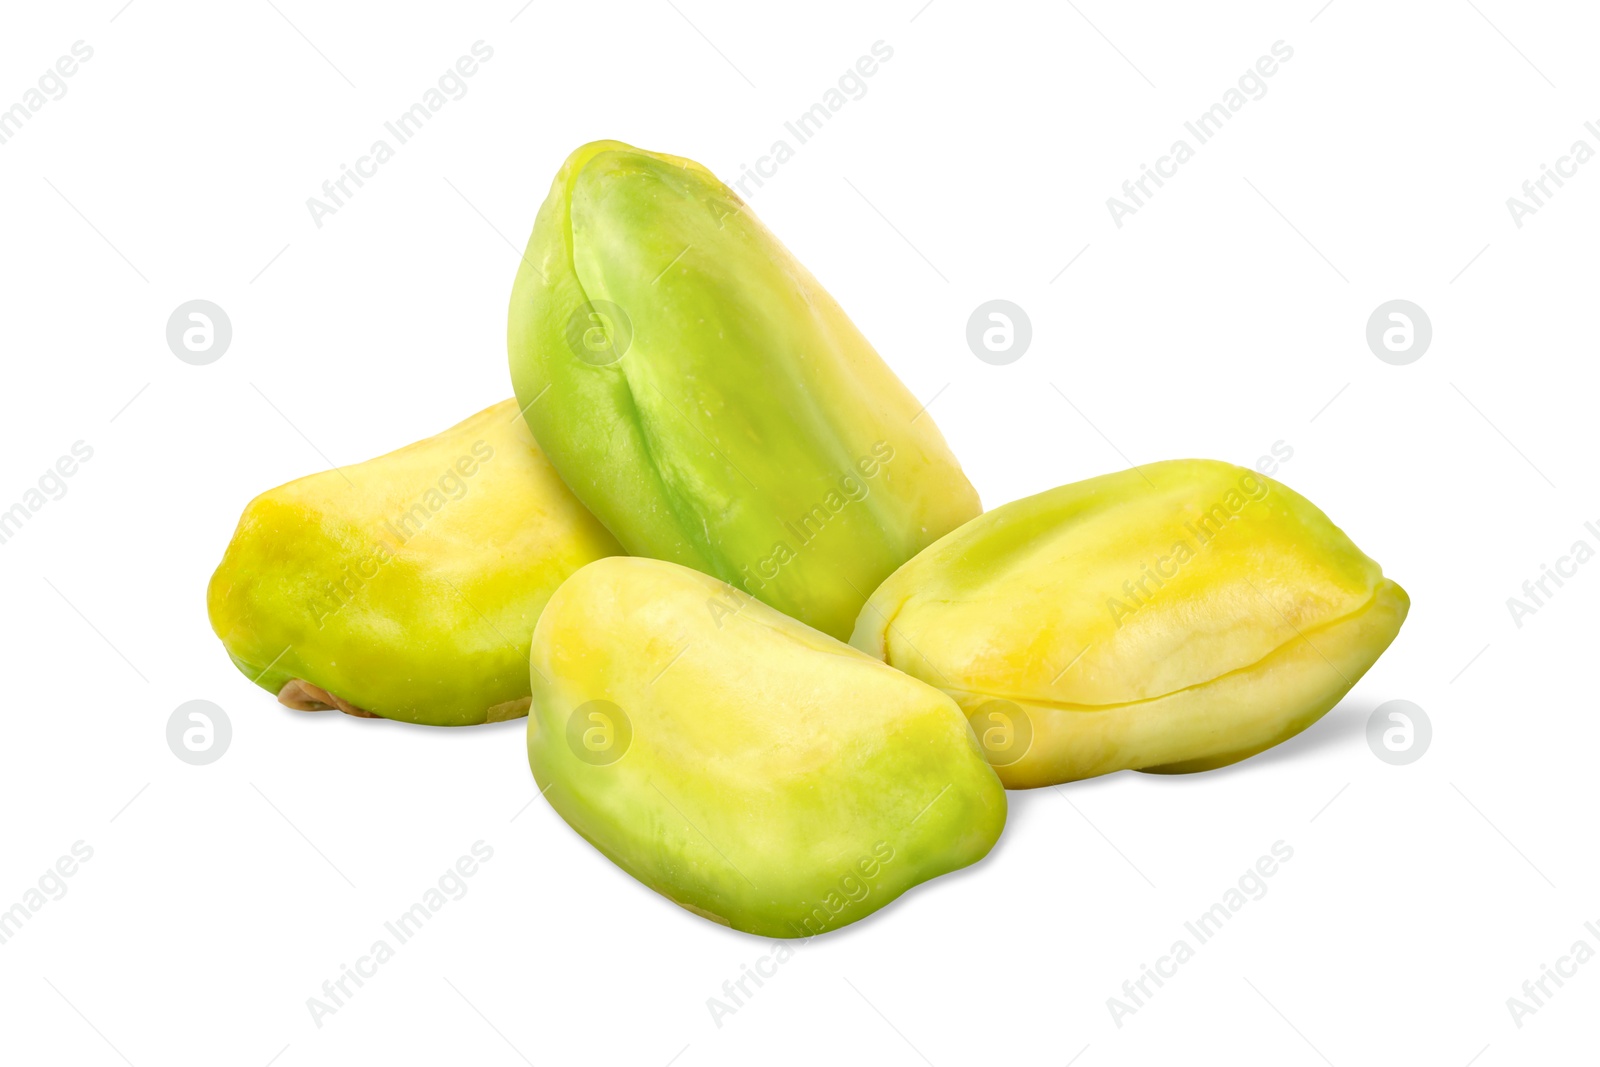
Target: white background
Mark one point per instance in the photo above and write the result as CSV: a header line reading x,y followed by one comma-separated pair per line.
x,y
1226,315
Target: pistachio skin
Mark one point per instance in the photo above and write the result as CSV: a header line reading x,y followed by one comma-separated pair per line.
x,y
772,779
1176,617
729,417
406,586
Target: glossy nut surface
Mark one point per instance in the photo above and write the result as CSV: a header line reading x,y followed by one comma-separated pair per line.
x,y
405,587
706,398
747,767
1174,617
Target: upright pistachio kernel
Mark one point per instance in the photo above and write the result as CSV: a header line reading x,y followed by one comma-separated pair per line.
x,y
704,396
